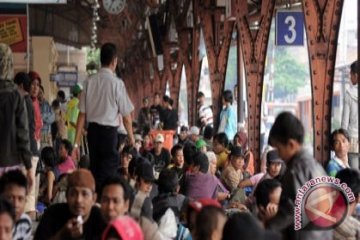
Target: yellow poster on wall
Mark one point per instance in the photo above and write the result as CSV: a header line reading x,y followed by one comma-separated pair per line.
x,y
10,31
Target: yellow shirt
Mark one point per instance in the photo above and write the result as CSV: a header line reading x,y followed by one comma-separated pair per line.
x,y
222,159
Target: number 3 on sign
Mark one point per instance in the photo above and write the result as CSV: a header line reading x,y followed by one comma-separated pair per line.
x,y
290,38
289,28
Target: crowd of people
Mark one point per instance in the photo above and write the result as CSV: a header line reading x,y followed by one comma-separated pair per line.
x,y
83,169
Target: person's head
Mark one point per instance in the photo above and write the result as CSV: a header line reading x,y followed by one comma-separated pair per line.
x,y
200,98
287,135
123,228
189,152
115,198
220,142
274,163
157,98
236,140
194,208
146,140
48,157
340,143
212,162
7,220
146,101
35,84
227,97
194,133
177,155
158,142
23,82
108,56
201,145
183,132
145,177
76,90
354,73
80,194
55,104
237,158
61,96
165,100
65,149
6,62
168,181
245,226
352,179
201,162
267,191
127,154
210,223
13,187
208,132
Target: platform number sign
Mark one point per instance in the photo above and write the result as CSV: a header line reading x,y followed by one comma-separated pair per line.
x,y
289,28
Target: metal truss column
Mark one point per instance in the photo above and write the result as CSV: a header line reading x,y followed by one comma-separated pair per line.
x,y
254,35
322,24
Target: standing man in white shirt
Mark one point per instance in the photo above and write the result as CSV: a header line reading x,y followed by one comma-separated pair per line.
x,y
350,121
104,97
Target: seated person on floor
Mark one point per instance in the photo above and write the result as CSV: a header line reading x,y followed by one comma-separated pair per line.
x,y
115,198
340,144
178,163
66,163
168,197
142,206
13,187
200,184
79,217
7,219
275,166
267,195
220,144
233,174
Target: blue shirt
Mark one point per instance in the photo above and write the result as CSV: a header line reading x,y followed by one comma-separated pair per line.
x,y
228,122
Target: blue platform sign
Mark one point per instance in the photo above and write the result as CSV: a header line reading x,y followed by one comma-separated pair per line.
x,y
289,28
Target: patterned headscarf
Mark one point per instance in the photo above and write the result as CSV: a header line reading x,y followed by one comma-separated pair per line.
x,y
6,62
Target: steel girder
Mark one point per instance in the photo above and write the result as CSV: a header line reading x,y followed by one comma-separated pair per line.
x,y
322,24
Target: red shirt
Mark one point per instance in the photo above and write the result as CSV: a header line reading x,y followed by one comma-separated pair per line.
x,y
38,118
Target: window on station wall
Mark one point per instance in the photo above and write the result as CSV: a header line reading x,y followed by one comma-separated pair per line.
x,y
346,54
287,87
231,75
183,100
204,82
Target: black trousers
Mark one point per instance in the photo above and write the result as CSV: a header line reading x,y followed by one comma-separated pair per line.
x,y
104,156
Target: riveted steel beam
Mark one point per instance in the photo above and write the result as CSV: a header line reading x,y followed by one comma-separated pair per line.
x,y
217,35
322,24
254,47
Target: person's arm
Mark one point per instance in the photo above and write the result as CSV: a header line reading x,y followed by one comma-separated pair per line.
x,y
127,120
345,113
79,127
50,184
245,183
231,180
22,138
